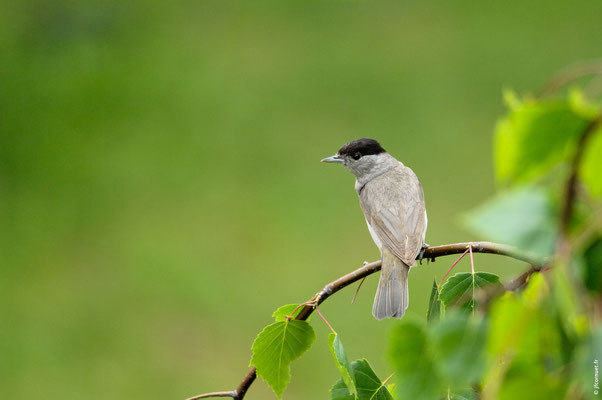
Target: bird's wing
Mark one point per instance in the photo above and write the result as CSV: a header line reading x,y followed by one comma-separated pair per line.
x,y
393,204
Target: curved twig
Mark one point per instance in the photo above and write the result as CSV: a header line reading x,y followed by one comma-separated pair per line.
x,y
429,253
570,74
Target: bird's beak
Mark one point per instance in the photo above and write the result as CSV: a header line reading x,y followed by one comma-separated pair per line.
x,y
334,159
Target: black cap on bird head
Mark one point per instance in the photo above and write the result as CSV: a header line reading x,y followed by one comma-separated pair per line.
x,y
364,147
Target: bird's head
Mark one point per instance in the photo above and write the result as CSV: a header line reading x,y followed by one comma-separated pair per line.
x,y
362,157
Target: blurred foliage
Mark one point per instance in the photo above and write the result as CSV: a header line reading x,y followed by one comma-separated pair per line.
x,y
537,135
160,190
445,358
591,271
523,217
524,347
592,165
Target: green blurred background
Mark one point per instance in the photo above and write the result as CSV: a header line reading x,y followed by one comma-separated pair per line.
x,y
161,192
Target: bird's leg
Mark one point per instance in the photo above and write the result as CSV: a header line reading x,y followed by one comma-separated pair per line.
x,y
421,254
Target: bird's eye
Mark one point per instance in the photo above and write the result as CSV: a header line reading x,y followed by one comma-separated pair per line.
x,y
357,156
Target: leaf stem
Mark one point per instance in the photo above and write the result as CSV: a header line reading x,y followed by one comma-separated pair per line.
x,y
471,260
324,319
452,267
307,303
314,305
387,380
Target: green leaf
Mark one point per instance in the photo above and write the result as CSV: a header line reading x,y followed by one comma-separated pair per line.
x,y
567,301
534,136
281,313
519,379
591,265
460,289
411,355
391,387
276,347
583,106
588,359
524,218
511,99
525,345
462,394
459,344
434,310
342,362
591,166
509,322
369,386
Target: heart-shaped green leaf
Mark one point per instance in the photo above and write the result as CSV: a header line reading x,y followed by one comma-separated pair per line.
x,y
460,289
276,347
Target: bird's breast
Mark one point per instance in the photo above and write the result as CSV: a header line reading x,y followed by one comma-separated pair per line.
x,y
375,237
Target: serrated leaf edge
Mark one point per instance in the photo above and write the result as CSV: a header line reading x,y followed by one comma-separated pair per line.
x,y
286,322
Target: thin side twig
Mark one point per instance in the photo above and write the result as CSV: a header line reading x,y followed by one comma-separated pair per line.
x,y
358,290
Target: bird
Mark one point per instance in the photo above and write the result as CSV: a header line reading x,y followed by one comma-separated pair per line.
x,y
392,200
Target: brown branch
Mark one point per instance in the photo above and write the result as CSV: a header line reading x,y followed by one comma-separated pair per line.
x,y
430,253
571,186
214,394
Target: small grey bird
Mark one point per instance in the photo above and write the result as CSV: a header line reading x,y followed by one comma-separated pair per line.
x,y
392,200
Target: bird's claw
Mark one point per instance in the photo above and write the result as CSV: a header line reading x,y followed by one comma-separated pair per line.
x,y
422,252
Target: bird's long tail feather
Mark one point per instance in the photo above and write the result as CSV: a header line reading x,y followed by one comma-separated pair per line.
x,y
392,298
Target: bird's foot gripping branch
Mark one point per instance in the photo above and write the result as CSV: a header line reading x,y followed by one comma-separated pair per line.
x,y
537,336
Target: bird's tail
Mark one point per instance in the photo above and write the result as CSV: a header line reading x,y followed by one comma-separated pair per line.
x,y
391,300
